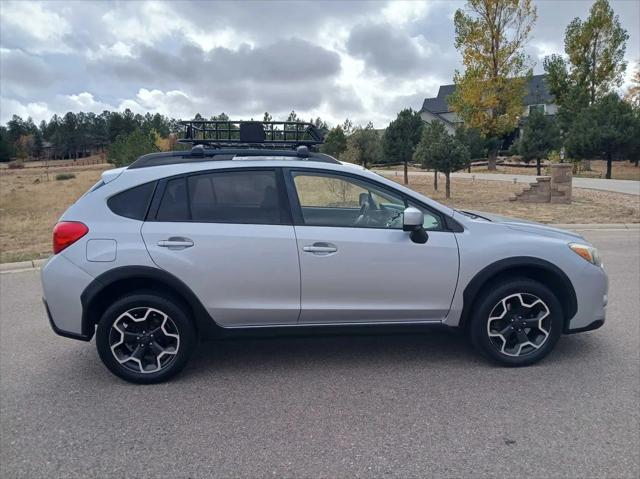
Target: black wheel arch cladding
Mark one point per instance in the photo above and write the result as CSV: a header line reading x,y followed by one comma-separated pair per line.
x,y
118,281
523,266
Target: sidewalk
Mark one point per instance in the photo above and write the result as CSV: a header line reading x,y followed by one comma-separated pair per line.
x,y
629,187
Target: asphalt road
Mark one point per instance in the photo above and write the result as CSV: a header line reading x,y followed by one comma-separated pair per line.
x,y
348,406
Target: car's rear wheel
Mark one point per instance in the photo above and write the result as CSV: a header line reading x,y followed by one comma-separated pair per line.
x,y
517,322
145,338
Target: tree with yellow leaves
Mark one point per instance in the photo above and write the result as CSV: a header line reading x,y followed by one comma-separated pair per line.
x,y
633,93
491,35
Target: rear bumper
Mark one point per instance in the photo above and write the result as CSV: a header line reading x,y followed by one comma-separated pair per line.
x,y
62,285
60,332
598,323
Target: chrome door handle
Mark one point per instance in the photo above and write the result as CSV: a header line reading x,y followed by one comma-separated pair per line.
x,y
320,248
176,243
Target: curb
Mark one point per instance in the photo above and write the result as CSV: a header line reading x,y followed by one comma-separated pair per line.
x,y
21,265
597,226
37,263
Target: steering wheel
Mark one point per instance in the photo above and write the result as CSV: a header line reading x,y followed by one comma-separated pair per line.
x,y
363,217
394,220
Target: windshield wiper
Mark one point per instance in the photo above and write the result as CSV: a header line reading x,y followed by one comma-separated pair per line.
x,y
472,215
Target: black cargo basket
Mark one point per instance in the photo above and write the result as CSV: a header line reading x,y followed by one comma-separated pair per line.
x,y
265,134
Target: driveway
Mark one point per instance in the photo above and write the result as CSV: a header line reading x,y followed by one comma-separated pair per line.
x,y
630,187
419,405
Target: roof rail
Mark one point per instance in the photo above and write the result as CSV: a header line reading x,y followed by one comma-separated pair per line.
x,y
200,153
255,134
302,151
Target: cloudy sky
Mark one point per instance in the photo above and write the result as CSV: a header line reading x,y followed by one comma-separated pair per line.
x,y
335,59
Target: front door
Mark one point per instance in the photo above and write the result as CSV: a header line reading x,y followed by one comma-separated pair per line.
x,y
229,237
357,265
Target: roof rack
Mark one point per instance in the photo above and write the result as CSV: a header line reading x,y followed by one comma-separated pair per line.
x,y
269,134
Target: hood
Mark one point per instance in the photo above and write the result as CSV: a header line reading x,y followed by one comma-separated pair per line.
x,y
529,226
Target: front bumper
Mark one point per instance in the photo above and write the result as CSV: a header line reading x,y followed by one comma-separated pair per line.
x,y
592,287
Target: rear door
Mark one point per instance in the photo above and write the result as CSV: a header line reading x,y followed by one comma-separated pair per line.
x,y
228,235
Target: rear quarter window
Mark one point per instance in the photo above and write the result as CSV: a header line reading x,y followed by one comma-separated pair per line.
x,y
134,202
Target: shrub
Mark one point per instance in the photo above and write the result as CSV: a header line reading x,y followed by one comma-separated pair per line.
x,y
127,148
15,165
442,152
64,176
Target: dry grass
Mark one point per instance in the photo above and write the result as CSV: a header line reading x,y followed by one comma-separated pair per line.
x,y
621,170
30,205
55,164
588,206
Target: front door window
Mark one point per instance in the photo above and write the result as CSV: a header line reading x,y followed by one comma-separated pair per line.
x,y
328,199
334,200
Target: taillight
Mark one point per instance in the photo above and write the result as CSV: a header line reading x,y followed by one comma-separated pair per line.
x,y
66,233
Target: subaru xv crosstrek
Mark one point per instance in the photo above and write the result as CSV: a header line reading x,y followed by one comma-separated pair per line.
x,y
181,246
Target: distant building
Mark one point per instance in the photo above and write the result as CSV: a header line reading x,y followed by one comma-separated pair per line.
x,y
47,150
537,97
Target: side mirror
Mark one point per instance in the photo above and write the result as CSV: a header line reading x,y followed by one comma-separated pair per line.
x,y
413,220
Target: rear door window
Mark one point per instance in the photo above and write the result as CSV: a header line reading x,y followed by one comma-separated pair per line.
x,y
174,206
236,197
242,196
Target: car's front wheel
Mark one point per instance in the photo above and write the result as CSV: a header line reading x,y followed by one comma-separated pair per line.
x,y
145,338
516,322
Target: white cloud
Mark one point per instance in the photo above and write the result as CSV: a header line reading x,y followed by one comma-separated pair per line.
x,y
632,68
165,56
219,37
84,101
38,111
138,22
174,103
547,48
399,12
45,28
150,22
117,49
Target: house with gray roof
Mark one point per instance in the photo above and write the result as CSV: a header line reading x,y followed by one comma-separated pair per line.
x,y
437,108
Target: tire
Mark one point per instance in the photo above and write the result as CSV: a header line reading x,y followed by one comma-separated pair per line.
x,y
152,331
506,313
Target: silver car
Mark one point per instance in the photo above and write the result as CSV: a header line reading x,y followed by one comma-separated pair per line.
x,y
185,245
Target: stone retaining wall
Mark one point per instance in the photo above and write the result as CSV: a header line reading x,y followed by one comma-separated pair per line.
x,y
549,189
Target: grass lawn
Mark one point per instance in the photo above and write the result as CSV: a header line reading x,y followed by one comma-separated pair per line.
x,y
30,205
588,206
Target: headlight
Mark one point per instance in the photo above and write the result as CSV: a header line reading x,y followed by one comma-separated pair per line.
x,y
587,252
